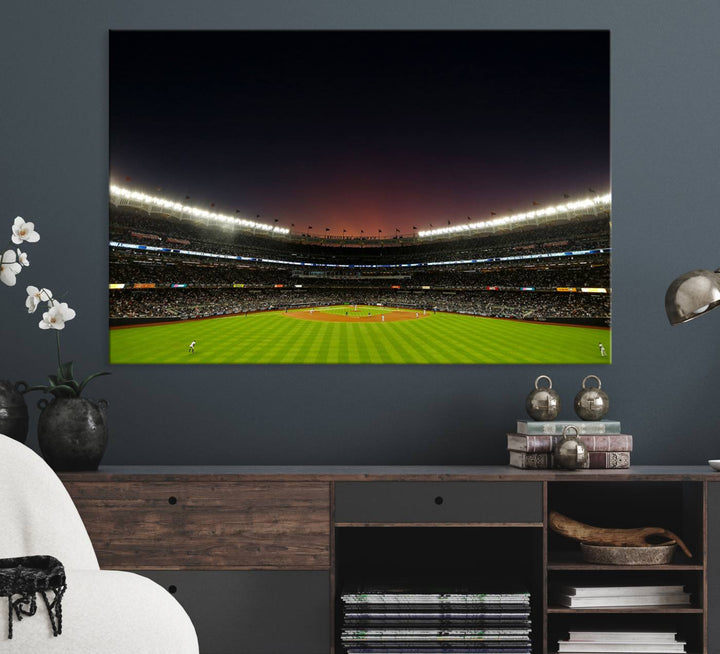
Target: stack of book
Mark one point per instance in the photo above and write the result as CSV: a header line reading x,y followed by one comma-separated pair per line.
x,y
583,597
647,642
531,446
387,621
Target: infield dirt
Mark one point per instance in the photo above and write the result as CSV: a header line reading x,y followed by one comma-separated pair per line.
x,y
320,316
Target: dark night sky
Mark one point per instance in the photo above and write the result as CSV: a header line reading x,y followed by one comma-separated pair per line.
x,y
361,130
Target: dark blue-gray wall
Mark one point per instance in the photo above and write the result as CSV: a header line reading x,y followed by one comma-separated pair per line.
x,y
664,383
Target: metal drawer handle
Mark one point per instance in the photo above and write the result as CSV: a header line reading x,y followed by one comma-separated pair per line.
x,y
439,500
172,589
172,500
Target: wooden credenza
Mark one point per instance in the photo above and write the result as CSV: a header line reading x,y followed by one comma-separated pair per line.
x,y
188,524
258,556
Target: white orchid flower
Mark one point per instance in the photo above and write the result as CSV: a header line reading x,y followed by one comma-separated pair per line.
x,y
22,258
56,317
9,267
22,231
36,296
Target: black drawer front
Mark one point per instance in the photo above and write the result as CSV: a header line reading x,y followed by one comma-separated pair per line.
x,y
458,501
255,612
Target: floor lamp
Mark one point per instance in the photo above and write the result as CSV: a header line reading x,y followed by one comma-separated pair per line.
x,y
691,295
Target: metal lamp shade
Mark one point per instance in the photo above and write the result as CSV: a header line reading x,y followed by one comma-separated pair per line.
x,y
691,295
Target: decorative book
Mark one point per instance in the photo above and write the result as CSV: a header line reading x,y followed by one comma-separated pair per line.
x,y
545,460
593,442
555,427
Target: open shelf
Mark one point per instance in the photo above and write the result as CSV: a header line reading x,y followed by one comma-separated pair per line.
x,y
686,623
674,506
679,507
484,559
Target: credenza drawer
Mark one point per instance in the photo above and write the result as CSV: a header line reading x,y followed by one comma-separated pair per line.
x,y
254,611
443,501
240,525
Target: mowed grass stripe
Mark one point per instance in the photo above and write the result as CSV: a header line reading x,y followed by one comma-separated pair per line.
x,y
275,338
340,345
355,349
503,339
223,342
344,347
309,335
463,339
260,334
500,342
394,336
322,349
445,343
370,345
287,346
395,342
537,343
332,340
385,354
427,345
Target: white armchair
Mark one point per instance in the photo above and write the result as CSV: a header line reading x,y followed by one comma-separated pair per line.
x,y
104,612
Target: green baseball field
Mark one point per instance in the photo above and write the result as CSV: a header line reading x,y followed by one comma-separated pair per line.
x,y
366,334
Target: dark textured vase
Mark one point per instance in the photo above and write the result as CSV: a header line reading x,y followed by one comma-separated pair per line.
x,y
72,433
13,410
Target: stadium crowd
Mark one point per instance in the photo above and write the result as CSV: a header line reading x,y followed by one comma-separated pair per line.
x,y
219,286
196,303
128,266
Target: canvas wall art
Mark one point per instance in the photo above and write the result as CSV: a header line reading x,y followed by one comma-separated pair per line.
x,y
360,197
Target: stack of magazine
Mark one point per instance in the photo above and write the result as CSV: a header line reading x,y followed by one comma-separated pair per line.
x,y
584,597
403,621
600,642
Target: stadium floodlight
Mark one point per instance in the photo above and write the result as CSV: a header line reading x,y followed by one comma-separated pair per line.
x,y
122,195
691,295
594,202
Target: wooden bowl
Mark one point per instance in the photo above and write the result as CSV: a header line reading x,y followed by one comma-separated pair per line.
x,y
620,555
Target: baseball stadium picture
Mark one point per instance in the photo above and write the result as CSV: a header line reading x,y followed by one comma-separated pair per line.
x,y
361,197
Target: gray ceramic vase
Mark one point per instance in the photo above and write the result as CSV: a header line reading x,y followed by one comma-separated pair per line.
x,y
72,433
13,410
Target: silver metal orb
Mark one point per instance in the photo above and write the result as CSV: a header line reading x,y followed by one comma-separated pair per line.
x,y
591,403
570,452
543,403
